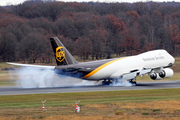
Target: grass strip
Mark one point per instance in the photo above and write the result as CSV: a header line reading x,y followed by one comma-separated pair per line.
x,y
105,97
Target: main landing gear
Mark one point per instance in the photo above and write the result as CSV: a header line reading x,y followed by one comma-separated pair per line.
x,y
106,82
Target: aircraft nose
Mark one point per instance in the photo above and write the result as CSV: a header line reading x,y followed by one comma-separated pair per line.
x,y
172,60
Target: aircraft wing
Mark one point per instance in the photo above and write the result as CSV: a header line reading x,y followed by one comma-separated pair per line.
x,y
35,66
135,73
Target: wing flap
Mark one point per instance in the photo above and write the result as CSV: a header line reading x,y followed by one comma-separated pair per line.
x,y
145,71
129,76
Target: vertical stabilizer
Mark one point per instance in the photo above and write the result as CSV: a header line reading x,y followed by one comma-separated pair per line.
x,y
62,55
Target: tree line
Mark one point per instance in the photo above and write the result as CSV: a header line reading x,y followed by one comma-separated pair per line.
x,y
88,30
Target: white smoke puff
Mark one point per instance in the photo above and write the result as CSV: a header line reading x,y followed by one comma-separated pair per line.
x,y
28,77
34,77
122,83
86,83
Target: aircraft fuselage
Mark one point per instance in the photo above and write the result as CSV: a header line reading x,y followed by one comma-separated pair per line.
x,y
114,68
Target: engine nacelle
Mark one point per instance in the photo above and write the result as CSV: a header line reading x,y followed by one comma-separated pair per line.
x,y
155,76
165,73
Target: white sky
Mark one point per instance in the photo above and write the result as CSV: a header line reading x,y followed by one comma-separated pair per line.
x,y
14,2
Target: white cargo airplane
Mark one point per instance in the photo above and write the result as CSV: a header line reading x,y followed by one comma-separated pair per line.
x,y
155,63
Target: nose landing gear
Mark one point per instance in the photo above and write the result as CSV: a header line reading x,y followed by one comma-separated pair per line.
x,y
133,81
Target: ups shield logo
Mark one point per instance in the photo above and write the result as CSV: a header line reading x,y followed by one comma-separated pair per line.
x,y
60,54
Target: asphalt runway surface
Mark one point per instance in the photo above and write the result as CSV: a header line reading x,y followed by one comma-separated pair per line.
x,y
66,89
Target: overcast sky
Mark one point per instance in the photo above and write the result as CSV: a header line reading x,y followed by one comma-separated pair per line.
x,y
14,2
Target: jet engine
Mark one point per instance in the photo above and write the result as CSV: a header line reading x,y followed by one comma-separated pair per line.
x,y
165,73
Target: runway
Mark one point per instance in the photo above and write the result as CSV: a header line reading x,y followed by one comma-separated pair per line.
x,y
67,89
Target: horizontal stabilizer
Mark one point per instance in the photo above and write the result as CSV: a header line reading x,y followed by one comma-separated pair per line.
x,y
35,66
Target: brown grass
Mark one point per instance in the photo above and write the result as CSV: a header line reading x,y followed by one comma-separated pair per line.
x,y
155,110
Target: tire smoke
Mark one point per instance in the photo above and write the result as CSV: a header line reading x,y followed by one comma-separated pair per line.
x,y
121,82
27,77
